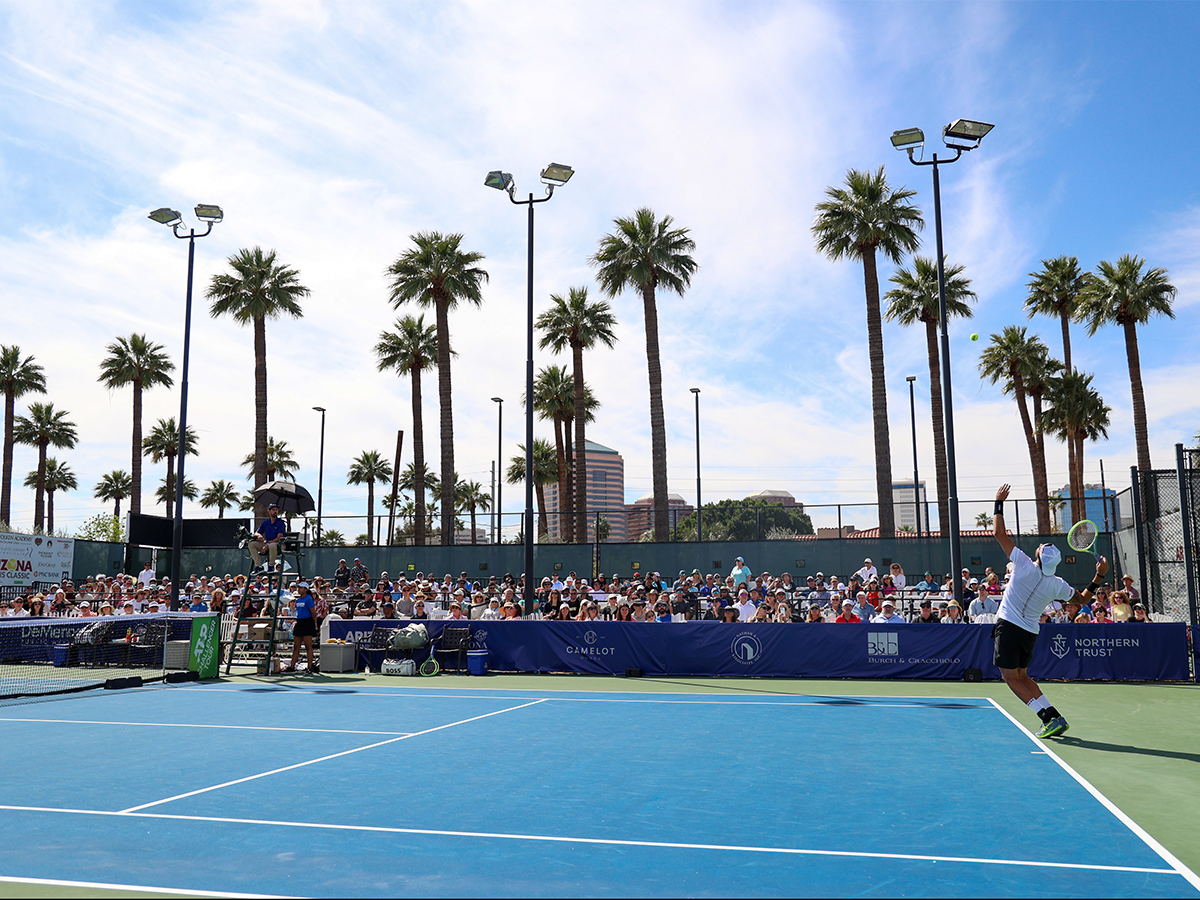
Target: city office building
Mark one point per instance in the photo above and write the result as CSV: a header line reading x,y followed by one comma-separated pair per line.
x,y
1095,499
605,494
905,508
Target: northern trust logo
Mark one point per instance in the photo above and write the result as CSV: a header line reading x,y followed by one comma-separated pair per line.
x,y
592,646
883,643
746,648
1090,646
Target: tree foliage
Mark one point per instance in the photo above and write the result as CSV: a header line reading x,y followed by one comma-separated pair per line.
x,y
745,520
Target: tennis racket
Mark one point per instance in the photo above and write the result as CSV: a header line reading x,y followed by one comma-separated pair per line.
x,y
1082,536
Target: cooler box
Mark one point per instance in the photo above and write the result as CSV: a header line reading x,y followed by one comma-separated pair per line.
x,y
339,657
477,662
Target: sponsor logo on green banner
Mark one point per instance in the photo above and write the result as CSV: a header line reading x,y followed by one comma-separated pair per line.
x,y
204,653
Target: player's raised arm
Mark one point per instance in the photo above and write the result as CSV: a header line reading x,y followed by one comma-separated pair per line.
x,y
998,530
1085,596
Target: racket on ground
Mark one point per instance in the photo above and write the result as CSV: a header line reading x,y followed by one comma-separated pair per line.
x,y
1082,536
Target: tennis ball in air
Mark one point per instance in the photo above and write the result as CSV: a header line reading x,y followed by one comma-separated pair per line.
x,y
974,337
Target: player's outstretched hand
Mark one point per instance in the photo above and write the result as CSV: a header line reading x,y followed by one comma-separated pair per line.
x,y
1101,566
1002,492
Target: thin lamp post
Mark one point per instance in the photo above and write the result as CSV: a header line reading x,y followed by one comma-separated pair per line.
x,y
210,215
699,524
320,473
497,522
552,176
912,408
959,135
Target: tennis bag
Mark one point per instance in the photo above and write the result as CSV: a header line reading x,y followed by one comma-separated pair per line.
x,y
398,667
411,637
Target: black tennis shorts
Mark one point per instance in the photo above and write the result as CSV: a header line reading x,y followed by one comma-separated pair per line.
x,y
304,628
1014,645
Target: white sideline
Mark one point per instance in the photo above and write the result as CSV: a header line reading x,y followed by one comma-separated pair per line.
x,y
1168,857
310,762
148,889
198,725
565,839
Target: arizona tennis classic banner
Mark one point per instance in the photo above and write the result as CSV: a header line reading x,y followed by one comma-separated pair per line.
x,y
1157,652
26,558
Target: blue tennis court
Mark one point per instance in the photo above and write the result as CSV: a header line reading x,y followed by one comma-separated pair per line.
x,y
394,791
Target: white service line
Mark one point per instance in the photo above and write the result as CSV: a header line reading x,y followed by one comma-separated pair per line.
x,y
1133,826
198,725
148,889
310,762
566,839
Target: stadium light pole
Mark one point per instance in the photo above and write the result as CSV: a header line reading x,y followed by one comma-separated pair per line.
x,y
320,472
210,215
497,522
699,524
554,175
959,135
912,408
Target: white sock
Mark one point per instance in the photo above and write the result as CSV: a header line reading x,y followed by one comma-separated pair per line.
x,y
1038,703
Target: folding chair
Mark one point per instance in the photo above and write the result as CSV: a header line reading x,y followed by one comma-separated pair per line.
x,y
455,640
379,641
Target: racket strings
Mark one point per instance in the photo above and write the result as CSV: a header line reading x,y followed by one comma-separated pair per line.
x,y
1082,536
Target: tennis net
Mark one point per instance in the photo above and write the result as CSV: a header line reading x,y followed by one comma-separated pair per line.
x,y
43,657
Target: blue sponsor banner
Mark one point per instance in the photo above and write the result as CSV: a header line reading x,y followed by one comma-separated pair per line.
x,y
1157,652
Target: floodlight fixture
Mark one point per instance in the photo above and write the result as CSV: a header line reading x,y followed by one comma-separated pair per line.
x,y
166,216
964,134
908,139
556,174
501,181
207,212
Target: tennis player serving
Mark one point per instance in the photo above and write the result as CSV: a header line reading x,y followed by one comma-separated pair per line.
x,y
1031,587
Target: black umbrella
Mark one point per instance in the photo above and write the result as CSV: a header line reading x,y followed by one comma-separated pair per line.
x,y
291,497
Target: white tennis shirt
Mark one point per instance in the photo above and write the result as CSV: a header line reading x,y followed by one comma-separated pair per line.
x,y
1029,591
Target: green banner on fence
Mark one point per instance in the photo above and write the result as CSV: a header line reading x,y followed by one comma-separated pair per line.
x,y
204,655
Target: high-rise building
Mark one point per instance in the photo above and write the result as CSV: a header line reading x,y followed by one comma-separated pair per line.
x,y
1095,499
906,509
639,515
781,498
605,494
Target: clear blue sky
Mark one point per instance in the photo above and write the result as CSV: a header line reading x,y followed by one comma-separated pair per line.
x,y
332,132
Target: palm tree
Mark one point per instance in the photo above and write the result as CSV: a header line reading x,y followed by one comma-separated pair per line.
x,y
163,443
44,427
472,496
544,472
1007,360
259,288
1057,505
1119,294
580,325
18,376
280,462
247,502
409,477
855,222
116,486
437,273
144,364
1054,291
554,400
59,477
915,299
983,520
645,253
165,492
1076,413
368,468
222,494
331,537
410,349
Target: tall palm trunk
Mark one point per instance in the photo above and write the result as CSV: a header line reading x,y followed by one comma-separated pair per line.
x,y
260,407
135,466
1036,461
39,497
418,461
1066,330
370,512
1072,480
580,447
170,485
939,428
1077,439
49,512
443,336
1139,397
10,401
883,447
1042,501
658,422
564,507
568,534
543,518
474,540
